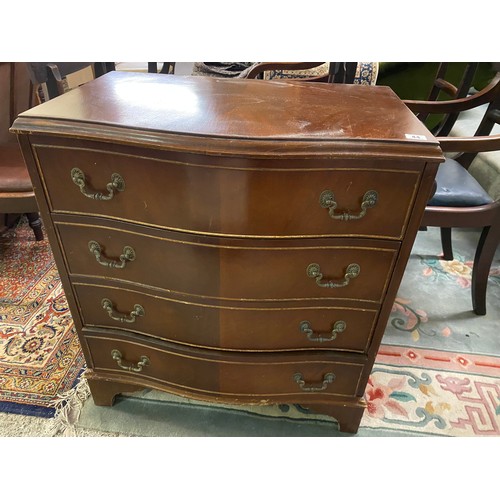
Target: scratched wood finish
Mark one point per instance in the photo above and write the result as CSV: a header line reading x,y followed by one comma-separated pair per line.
x,y
221,205
195,106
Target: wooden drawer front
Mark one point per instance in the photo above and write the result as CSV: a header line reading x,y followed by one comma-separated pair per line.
x,y
243,329
233,272
259,200
250,374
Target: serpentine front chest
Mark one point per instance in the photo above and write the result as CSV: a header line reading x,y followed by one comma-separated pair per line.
x,y
235,241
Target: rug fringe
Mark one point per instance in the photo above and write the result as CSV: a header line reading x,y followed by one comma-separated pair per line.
x,y
68,407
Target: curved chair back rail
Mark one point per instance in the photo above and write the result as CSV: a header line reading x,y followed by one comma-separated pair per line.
x,y
460,200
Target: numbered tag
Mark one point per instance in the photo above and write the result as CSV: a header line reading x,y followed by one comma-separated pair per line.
x,y
416,137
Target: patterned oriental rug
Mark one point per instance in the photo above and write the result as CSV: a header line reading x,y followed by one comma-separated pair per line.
x,y
40,356
437,372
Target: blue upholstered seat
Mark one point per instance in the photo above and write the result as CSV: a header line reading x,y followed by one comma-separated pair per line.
x,y
457,188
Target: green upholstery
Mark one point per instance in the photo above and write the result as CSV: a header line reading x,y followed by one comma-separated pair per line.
x,y
413,80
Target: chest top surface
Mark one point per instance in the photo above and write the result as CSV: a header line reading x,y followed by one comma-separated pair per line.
x,y
137,107
235,107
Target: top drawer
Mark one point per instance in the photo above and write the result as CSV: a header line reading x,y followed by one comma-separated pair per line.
x,y
232,197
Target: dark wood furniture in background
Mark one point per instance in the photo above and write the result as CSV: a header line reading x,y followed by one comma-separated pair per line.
x,y
215,254
460,201
53,75
16,191
166,67
443,89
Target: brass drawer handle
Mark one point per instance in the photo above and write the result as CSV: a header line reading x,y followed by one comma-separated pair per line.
x,y
138,310
338,327
117,356
117,184
314,271
128,255
327,200
327,379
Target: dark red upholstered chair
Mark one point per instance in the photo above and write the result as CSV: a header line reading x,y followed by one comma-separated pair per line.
x,y
16,190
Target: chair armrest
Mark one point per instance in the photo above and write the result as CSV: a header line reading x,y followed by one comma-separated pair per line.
x,y
476,144
456,105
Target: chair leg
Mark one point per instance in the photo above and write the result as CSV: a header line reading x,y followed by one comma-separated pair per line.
x,y
35,224
488,242
446,243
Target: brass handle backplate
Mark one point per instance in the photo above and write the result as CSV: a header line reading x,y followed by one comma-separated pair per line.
x,y
117,184
314,271
338,327
327,200
128,255
327,379
117,356
138,310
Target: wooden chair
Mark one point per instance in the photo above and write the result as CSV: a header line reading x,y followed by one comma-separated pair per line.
x,y
16,190
51,79
460,200
332,72
166,67
53,75
444,89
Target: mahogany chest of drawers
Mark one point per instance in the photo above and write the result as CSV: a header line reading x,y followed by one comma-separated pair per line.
x,y
230,240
